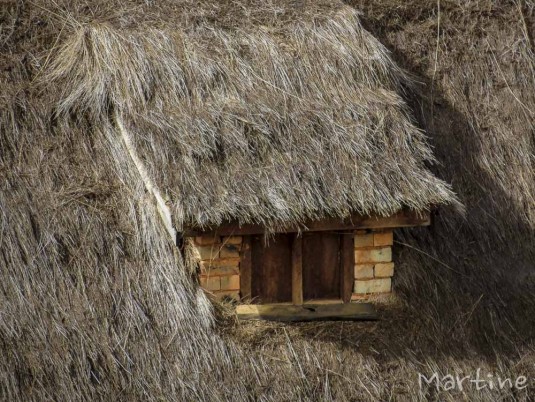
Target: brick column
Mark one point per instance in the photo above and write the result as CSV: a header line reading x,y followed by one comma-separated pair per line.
x,y
373,263
219,259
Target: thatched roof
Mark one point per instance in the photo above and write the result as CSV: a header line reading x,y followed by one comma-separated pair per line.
x,y
260,112
93,304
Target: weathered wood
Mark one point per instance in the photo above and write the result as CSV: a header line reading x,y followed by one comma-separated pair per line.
x,y
321,265
297,270
271,269
348,264
245,269
308,312
322,301
401,219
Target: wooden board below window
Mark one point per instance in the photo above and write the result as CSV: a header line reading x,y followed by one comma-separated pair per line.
x,y
310,312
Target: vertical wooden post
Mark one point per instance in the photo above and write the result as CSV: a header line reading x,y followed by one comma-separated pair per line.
x,y
246,269
348,266
297,270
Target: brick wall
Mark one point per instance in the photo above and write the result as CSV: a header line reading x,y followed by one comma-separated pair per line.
x,y
220,264
373,262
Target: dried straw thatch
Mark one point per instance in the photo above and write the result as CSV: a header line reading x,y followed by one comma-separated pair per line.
x,y
93,302
293,116
254,120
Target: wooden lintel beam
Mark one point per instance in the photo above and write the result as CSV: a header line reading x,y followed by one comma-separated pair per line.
x,y
307,312
404,218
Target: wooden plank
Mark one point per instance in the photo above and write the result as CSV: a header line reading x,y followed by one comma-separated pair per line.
x,y
348,266
404,218
271,269
245,269
309,312
321,265
322,301
297,270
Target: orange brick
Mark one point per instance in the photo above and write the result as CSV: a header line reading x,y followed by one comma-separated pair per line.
x,y
220,262
208,252
231,282
222,271
230,251
383,254
383,238
232,240
383,285
213,283
363,271
206,240
384,269
365,240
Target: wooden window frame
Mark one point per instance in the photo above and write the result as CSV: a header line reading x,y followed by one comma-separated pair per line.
x,y
404,218
346,268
